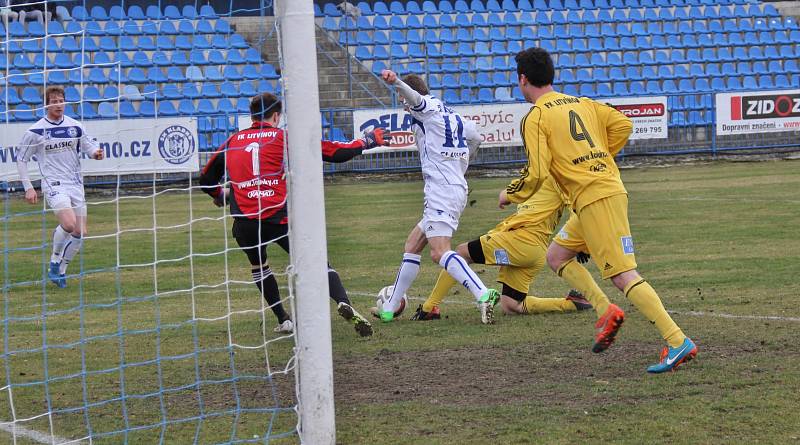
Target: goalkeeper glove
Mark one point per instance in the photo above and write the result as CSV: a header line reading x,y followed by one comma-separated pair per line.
x,y
222,197
583,257
375,138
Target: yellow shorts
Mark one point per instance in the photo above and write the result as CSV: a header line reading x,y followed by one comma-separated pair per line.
x,y
601,229
519,253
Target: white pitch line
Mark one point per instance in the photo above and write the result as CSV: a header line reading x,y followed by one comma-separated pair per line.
x,y
689,313
468,303
36,436
736,317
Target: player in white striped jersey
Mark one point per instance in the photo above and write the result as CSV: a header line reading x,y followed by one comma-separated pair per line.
x,y
445,141
56,142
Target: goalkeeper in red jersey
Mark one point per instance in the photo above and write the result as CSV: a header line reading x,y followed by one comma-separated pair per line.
x,y
252,160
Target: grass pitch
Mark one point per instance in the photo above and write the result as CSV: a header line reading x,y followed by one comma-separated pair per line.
x,y
717,241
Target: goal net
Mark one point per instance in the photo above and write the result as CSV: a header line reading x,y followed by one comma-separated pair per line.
x,y
160,335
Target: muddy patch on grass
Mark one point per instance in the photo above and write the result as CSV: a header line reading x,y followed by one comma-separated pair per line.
x,y
499,376
480,377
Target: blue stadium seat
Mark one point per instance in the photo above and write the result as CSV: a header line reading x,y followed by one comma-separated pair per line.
x,y
250,72
210,90
186,107
137,75
226,106
485,95
105,110
31,96
166,108
126,109
131,92
96,75
204,106
229,89
230,72
141,59
190,91
171,91
207,12
171,12
243,104
155,75
212,73
503,94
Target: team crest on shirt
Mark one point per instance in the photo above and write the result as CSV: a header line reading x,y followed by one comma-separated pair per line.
x,y
627,245
501,257
176,144
72,132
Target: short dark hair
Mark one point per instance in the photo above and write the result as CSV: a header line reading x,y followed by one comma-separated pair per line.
x,y
263,106
537,66
417,83
51,91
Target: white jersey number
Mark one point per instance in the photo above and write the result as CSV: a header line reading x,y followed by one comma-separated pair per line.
x,y
253,150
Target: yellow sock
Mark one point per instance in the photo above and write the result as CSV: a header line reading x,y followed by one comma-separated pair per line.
x,y
645,298
440,290
536,305
579,278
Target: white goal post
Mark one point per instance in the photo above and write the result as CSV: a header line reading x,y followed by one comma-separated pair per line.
x,y
307,235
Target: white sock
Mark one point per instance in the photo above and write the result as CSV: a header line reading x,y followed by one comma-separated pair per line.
x,y
458,268
409,269
60,237
72,248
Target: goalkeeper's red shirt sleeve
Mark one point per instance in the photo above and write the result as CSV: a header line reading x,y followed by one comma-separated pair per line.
x,y
333,151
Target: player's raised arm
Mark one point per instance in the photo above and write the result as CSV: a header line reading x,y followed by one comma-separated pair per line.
x,y
412,97
539,158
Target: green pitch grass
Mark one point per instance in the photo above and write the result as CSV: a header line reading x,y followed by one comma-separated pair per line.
x,y
717,241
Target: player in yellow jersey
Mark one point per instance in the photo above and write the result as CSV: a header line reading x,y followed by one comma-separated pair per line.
x,y
518,245
574,140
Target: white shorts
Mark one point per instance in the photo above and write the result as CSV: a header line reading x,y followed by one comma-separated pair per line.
x,y
62,196
442,212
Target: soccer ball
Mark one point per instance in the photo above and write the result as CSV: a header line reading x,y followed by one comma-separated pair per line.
x,y
384,295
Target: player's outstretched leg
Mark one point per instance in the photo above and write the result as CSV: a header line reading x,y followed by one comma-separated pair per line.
x,y
574,301
343,305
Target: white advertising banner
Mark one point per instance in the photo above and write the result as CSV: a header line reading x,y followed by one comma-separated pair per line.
x,y
130,146
749,112
498,124
649,115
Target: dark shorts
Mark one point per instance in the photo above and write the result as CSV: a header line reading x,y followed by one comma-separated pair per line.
x,y
253,236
